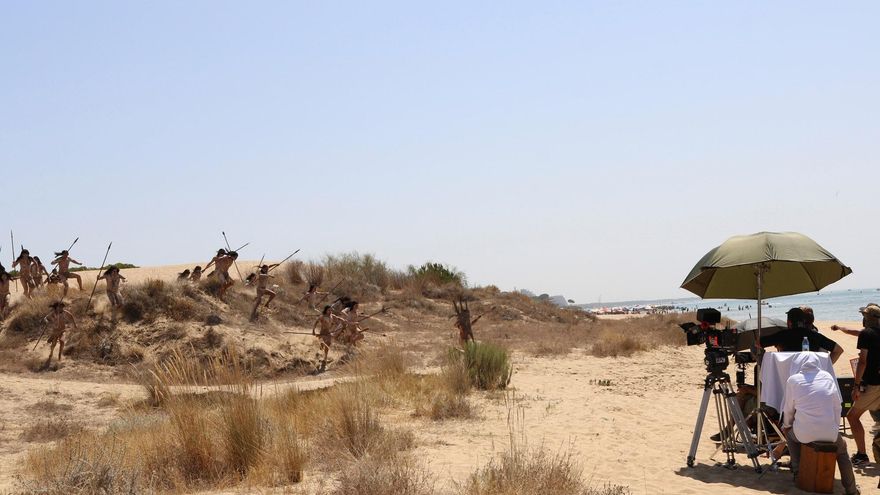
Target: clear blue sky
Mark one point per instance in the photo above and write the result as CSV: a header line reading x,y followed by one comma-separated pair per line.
x,y
567,147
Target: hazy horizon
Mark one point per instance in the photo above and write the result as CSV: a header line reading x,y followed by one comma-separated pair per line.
x,y
584,149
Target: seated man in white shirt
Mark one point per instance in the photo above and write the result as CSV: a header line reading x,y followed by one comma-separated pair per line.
x,y
811,413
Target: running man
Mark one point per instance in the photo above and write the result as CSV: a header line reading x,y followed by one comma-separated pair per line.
x,y
23,263
325,320
5,278
311,296
223,261
113,278
37,271
196,274
262,282
350,330
57,319
63,260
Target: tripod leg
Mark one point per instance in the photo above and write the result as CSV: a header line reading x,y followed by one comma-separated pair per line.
x,y
698,428
743,427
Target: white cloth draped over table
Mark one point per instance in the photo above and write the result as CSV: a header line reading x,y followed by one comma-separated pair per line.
x,y
776,368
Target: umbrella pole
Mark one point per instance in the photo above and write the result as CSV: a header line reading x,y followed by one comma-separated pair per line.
x,y
761,267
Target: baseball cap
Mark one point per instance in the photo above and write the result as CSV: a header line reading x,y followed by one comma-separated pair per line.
x,y
872,310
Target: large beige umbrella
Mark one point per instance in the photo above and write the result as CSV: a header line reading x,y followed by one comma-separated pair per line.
x,y
763,265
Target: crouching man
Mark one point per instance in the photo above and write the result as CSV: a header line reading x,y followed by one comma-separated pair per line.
x,y
811,413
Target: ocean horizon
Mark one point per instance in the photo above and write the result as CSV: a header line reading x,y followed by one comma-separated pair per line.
x,y
840,304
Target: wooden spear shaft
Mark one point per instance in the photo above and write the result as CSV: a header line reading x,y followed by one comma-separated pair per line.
x,y
233,261
97,277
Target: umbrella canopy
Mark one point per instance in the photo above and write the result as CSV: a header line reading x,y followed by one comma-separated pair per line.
x,y
746,330
751,325
790,263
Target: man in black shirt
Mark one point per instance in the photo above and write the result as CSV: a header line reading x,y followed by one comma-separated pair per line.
x,y
800,325
866,392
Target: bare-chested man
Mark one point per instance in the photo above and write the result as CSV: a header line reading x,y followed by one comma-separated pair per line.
x,y
63,260
23,263
5,278
196,274
37,271
326,333
57,320
113,278
311,296
262,283
223,261
350,330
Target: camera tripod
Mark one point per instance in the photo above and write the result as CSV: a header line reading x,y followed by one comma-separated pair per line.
x,y
729,415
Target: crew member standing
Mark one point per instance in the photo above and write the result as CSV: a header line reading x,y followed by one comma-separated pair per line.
x,y
866,392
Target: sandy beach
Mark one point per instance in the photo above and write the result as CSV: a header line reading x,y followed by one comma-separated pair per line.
x,y
623,420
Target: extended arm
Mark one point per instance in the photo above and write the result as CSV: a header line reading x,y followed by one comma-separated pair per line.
x,y
74,261
315,325
836,353
848,331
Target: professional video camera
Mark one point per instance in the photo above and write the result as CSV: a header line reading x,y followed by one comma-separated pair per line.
x,y
720,343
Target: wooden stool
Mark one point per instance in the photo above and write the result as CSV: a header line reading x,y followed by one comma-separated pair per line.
x,y
817,467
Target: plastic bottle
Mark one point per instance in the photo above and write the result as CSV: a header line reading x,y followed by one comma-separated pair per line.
x,y
805,345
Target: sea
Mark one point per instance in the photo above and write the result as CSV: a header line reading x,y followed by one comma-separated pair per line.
x,y
827,305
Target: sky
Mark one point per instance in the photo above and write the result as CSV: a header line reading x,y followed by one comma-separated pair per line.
x,y
591,149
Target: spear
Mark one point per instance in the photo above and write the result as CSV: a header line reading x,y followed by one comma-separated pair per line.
x,y
72,244
328,292
372,315
260,264
97,277
12,241
242,246
41,332
282,261
233,261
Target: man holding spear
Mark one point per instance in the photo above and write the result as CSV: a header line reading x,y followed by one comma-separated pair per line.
x,y
113,278
223,261
5,277
57,319
262,283
63,260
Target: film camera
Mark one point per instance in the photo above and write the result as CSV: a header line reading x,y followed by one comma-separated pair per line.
x,y
720,343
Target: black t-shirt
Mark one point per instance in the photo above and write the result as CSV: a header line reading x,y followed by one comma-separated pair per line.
x,y
869,339
792,339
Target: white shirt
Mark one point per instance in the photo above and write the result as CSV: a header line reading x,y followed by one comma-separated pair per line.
x,y
812,401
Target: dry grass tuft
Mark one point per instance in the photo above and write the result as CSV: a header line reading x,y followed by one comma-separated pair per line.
x,y
26,320
49,430
352,425
314,274
398,475
294,272
153,298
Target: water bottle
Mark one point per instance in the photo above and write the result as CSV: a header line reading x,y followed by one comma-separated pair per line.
x,y
805,345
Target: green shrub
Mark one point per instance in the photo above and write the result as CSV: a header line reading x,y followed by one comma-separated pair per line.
x,y
488,364
438,274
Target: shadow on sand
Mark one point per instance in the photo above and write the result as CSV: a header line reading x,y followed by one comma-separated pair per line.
x,y
743,475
